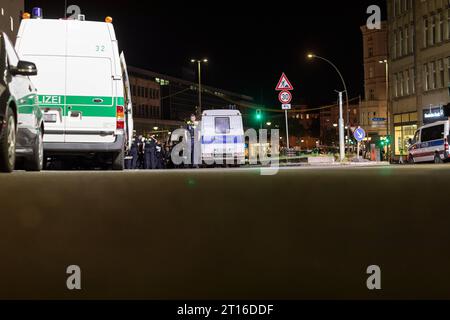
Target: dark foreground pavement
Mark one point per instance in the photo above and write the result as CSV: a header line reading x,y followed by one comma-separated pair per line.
x,y
304,233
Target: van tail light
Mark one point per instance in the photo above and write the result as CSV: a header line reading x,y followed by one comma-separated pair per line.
x,y
446,145
120,118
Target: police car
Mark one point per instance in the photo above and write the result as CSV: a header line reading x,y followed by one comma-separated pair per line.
x,y
430,143
21,120
83,87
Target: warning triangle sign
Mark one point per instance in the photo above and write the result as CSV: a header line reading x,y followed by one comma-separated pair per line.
x,y
284,84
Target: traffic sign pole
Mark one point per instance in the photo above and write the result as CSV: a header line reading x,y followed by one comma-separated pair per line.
x,y
285,98
359,134
287,128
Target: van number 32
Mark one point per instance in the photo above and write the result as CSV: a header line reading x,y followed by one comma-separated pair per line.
x,y
100,48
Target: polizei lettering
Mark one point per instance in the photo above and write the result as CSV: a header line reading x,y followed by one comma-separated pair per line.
x,y
50,100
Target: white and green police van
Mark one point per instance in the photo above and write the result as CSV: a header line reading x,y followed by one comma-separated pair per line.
x,y
83,87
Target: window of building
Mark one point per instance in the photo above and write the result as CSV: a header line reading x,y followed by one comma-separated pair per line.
x,y
370,52
406,41
371,94
407,82
441,73
412,38
412,79
394,47
402,134
448,25
400,43
440,34
448,70
425,32
396,85
401,81
433,30
426,76
434,75
371,72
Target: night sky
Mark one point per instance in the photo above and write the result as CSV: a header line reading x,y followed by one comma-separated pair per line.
x,y
247,43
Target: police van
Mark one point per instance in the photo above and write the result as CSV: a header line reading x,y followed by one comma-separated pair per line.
x,y
430,143
83,87
222,137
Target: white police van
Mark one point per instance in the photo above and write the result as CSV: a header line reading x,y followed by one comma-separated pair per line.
x,y
222,137
83,87
430,143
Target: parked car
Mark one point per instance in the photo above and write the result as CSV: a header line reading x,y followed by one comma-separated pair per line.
x,y
21,134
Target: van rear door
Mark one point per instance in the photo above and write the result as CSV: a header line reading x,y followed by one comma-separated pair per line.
x,y
90,92
44,43
127,98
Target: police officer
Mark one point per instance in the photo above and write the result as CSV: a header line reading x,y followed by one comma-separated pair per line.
x,y
141,147
134,151
150,153
191,127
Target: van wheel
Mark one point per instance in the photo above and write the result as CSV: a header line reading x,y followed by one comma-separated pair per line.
x,y
8,143
437,158
118,161
36,161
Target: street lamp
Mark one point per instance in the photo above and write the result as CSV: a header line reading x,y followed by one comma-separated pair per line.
x,y
386,62
341,121
199,65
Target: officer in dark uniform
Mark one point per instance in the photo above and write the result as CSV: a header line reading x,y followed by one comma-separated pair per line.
x,y
141,146
191,127
159,156
150,153
134,152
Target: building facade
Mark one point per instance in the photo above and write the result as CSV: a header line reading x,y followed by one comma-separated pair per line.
x,y
373,111
162,103
10,16
419,65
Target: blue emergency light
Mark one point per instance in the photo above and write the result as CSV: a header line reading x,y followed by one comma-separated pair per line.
x,y
37,13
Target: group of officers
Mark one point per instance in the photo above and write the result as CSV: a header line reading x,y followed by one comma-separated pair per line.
x,y
149,153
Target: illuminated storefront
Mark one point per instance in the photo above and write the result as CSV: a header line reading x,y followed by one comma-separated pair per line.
x,y
405,126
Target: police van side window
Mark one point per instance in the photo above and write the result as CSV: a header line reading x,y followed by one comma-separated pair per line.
x,y
433,133
416,137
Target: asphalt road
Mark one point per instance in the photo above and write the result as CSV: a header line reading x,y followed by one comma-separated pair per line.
x,y
227,234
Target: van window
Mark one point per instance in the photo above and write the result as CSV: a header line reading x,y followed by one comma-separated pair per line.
x,y
416,137
433,133
222,125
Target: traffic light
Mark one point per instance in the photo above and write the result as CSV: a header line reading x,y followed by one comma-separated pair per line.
x,y
385,141
258,115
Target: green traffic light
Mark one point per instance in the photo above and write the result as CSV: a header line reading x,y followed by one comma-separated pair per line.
x,y
258,115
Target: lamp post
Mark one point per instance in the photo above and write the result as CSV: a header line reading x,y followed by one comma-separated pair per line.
x,y
341,120
199,70
388,113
